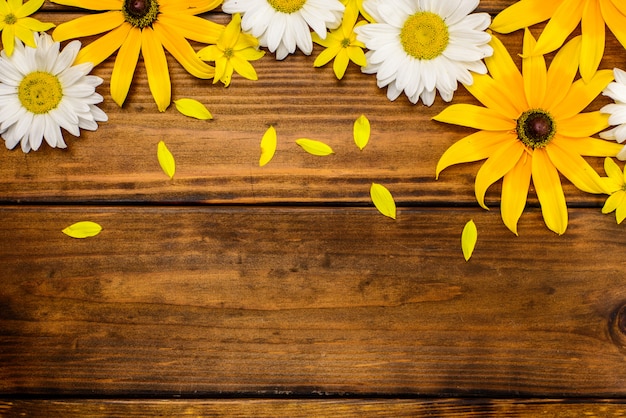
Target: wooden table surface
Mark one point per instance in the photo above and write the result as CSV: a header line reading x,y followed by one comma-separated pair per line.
x,y
241,290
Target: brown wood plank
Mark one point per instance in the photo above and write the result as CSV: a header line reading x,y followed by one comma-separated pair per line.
x,y
395,408
202,301
218,160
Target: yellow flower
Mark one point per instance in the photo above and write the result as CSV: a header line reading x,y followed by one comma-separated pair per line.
x,y
14,21
616,184
145,26
565,15
342,45
232,52
531,127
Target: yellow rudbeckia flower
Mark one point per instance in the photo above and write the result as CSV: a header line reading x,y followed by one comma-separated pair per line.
x,y
145,26
531,128
14,22
565,15
232,52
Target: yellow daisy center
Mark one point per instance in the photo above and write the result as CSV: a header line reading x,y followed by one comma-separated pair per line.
x,y
140,13
10,19
287,6
40,92
424,35
535,128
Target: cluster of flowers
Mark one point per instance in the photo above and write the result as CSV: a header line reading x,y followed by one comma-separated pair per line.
x,y
531,127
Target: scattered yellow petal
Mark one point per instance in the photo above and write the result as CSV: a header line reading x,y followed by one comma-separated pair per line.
x,y
383,200
468,239
83,229
314,147
193,109
361,131
268,146
166,159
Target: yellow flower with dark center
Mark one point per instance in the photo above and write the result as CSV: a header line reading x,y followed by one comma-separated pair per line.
x,y
342,45
146,27
564,16
14,22
532,128
232,52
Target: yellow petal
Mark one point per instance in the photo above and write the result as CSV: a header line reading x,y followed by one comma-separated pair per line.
x,y
192,27
613,201
314,147
562,72
534,71
497,165
93,4
8,39
125,64
476,117
583,124
515,191
549,191
504,70
565,18
614,14
581,94
620,211
361,131
268,146
490,93
522,14
589,147
474,147
341,63
575,168
156,67
327,55
103,47
83,229
469,236
613,171
25,35
88,25
28,8
180,49
357,56
193,109
593,36
383,200
243,67
166,159
34,24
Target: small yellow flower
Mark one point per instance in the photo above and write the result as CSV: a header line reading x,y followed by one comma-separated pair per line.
x,y
14,21
616,183
232,52
342,45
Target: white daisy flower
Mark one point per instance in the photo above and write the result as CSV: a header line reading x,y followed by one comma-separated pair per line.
x,y
417,46
281,25
617,111
41,92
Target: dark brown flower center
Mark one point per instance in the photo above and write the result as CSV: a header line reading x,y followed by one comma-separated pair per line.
x,y
535,128
140,13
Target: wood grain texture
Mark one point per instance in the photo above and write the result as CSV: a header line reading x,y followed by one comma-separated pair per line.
x,y
395,408
198,301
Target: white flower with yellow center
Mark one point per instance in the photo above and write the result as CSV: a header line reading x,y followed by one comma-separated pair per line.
x,y
283,25
41,92
420,46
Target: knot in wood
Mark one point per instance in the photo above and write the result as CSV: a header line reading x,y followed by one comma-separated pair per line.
x,y
617,326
